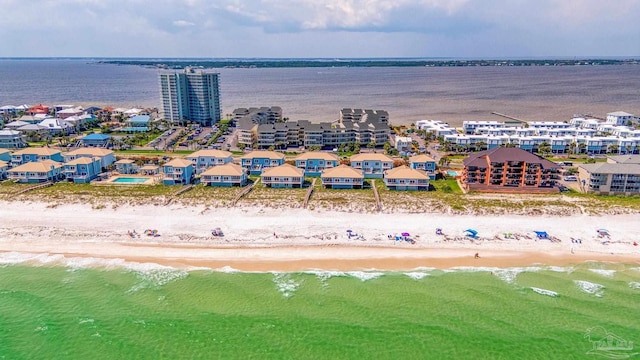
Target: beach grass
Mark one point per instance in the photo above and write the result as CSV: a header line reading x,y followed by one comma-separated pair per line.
x,y
446,198
263,196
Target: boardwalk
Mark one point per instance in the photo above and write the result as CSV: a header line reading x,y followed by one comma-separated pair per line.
x,y
177,193
376,195
34,187
309,192
244,192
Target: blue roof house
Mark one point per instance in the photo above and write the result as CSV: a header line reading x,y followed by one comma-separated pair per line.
x,y
5,155
96,140
137,123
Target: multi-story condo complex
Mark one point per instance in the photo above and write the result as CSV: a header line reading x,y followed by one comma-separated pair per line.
x,y
504,169
362,127
192,94
579,136
619,175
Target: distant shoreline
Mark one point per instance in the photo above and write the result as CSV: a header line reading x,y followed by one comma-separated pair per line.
x,y
314,63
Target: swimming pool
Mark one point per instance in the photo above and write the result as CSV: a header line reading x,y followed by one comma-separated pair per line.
x,y
452,173
130,180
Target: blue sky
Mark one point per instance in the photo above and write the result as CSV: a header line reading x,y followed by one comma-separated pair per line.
x,y
320,28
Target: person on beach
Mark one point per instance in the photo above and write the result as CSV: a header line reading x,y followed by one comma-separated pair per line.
x,y
477,256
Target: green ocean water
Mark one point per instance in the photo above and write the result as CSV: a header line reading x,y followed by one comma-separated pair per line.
x,y
58,312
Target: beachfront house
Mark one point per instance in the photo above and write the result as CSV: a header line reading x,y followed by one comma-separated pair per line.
x,y
5,155
96,140
37,171
204,159
229,174
82,169
126,166
106,157
406,178
315,162
342,177
35,154
509,170
12,139
424,163
178,172
283,176
137,123
619,175
372,165
257,161
4,166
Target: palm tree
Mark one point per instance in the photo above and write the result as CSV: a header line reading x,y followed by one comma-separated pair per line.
x,y
613,148
582,147
544,148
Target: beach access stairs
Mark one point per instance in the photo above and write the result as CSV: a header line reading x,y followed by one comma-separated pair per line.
x,y
177,193
309,192
376,195
34,187
244,192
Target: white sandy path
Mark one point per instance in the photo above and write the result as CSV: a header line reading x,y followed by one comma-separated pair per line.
x,y
79,229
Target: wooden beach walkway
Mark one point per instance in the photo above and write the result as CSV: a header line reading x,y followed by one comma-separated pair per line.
x,y
244,192
309,192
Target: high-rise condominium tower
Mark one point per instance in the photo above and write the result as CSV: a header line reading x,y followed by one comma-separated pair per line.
x,y
191,94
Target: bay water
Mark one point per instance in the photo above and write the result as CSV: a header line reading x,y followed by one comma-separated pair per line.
x,y
451,94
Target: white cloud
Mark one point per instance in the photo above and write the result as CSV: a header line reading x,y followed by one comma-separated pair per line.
x,y
334,28
183,23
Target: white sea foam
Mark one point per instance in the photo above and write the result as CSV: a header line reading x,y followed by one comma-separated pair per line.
x,y
508,275
85,321
285,284
562,269
416,275
634,285
365,275
545,292
603,272
323,275
590,288
154,275
227,269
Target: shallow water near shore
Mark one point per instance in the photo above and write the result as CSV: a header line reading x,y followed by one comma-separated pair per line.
x,y
151,311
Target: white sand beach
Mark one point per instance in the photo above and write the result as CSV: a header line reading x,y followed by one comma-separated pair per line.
x,y
291,240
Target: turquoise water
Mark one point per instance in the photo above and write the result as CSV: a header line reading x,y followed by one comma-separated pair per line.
x,y
134,180
146,311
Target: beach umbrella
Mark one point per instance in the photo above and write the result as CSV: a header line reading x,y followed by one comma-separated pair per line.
x,y
472,232
603,231
349,231
541,234
406,234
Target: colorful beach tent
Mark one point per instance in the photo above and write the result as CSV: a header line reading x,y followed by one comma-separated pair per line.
x,y
406,234
471,232
542,234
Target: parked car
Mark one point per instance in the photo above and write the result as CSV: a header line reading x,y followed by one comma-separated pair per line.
x,y
570,178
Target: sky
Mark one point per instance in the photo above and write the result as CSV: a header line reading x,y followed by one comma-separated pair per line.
x,y
320,28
